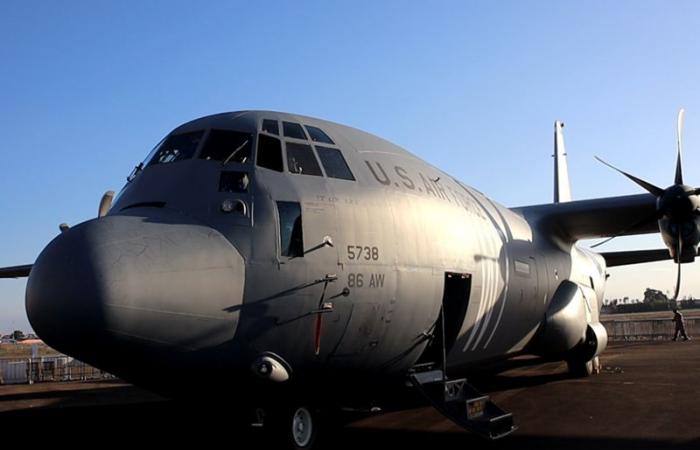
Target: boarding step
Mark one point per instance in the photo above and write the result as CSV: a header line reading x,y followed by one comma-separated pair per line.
x,y
463,404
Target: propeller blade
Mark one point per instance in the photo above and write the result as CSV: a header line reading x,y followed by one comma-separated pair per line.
x,y
654,216
105,204
657,191
679,165
678,278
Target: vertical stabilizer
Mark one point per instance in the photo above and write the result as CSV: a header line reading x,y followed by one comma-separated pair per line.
x,y
562,188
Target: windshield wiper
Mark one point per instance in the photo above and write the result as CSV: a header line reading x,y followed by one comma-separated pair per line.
x,y
233,153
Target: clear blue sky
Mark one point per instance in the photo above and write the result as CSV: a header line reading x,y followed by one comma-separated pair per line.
x,y
87,88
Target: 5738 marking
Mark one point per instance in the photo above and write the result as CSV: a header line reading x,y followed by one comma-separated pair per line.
x,y
364,253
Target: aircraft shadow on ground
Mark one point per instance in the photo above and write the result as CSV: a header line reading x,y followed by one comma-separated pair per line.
x,y
421,440
87,393
172,423
498,383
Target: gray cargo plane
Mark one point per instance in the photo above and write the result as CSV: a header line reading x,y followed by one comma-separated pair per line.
x,y
296,266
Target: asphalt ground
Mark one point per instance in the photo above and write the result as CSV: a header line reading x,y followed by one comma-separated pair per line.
x,y
647,396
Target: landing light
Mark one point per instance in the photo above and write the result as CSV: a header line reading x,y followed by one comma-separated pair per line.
x,y
229,206
271,367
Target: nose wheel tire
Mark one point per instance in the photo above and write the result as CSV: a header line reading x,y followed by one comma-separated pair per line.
x,y
303,428
296,428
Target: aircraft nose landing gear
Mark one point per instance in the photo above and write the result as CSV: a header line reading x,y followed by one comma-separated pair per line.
x,y
300,427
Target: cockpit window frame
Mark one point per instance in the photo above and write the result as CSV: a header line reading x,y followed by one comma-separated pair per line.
x,y
150,159
307,145
318,136
250,144
264,135
331,163
293,125
289,232
153,151
262,129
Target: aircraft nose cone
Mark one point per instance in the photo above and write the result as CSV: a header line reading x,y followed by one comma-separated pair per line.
x,y
62,290
163,281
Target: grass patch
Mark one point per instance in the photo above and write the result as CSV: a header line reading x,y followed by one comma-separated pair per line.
x,y
25,351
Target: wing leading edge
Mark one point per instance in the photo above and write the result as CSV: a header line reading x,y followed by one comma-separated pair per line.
x,y
600,218
596,218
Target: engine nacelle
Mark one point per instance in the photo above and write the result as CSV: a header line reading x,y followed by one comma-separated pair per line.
x,y
688,230
569,330
565,322
595,343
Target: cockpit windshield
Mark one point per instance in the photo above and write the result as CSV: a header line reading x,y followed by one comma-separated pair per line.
x,y
227,145
176,147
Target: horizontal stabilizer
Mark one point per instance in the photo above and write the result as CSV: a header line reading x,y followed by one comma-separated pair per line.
x,y
15,271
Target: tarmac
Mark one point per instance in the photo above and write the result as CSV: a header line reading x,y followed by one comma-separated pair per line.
x,y
646,397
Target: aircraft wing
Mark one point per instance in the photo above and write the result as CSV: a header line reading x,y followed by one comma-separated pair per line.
x,y
625,258
596,218
15,271
600,218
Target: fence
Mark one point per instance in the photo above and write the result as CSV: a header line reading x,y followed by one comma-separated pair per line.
x,y
647,329
47,368
65,368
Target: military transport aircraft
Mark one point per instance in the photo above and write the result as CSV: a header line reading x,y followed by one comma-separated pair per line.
x,y
296,266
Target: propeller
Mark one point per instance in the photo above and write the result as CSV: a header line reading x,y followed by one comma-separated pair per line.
x,y
677,210
105,204
679,130
678,277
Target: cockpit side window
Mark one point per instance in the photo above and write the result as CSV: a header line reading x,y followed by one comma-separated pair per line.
x,y
177,147
334,163
301,159
228,146
293,130
270,153
291,232
318,135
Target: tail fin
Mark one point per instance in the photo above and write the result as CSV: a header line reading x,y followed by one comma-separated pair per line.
x,y
562,188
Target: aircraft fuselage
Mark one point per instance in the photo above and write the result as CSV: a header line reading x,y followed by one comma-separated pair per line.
x,y
194,274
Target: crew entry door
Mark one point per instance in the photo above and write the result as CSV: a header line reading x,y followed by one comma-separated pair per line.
x,y
455,301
